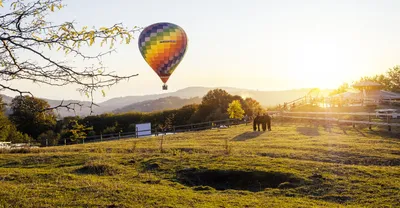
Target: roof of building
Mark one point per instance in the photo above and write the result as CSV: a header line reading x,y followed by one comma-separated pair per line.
x,y
367,83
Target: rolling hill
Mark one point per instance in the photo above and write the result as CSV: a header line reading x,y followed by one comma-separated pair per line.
x,y
159,104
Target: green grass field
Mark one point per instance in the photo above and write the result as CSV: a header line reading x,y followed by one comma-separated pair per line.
x,y
295,165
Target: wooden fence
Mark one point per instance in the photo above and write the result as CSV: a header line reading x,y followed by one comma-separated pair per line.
x,y
336,117
156,132
328,117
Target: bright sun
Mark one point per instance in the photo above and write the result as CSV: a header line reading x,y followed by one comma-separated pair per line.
x,y
319,63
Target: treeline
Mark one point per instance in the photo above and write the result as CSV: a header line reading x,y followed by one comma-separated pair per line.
x,y
390,81
31,122
214,106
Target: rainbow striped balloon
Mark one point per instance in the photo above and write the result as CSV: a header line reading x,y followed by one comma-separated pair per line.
x,y
163,46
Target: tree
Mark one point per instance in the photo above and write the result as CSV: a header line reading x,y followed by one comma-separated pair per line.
x,y
342,88
184,115
28,42
392,81
77,132
2,105
8,131
217,98
48,138
5,124
213,106
252,107
235,110
389,81
28,116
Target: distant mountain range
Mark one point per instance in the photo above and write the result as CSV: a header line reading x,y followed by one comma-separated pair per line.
x,y
160,104
156,102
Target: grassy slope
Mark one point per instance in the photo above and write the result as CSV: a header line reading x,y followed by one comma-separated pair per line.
x,y
352,168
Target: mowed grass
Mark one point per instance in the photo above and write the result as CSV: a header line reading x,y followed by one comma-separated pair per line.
x,y
294,165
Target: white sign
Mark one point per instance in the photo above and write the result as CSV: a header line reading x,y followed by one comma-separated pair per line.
x,y
143,129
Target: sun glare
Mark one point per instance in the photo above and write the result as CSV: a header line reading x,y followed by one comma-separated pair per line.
x,y
319,63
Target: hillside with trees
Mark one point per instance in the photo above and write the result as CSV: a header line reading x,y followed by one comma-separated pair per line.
x,y
36,122
128,103
161,104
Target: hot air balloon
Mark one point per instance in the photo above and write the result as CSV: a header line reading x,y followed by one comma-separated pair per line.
x,y
163,46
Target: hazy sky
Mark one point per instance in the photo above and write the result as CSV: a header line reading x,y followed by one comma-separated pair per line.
x,y
264,45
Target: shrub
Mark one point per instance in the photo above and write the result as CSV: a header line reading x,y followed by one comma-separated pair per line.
x,y
110,130
18,137
51,137
99,168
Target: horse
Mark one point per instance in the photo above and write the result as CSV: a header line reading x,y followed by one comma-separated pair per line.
x,y
263,120
256,123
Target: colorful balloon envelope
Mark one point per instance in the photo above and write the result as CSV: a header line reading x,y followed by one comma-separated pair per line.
x,y
163,46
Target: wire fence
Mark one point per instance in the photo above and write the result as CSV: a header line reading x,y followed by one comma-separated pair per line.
x,y
364,118
330,118
156,132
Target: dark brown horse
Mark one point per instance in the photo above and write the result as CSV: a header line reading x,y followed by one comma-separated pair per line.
x,y
263,120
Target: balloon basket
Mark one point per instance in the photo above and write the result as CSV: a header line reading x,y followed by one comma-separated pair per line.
x,y
165,87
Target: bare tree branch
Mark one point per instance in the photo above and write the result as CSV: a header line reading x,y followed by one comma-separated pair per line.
x,y
25,30
69,106
15,90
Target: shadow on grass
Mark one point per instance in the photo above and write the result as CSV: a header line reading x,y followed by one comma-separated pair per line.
x,y
308,131
247,135
385,133
253,181
343,128
360,132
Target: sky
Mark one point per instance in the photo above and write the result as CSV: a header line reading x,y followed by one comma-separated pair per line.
x,y
259,45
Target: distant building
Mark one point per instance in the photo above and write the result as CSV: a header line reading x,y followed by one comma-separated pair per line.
x,y
373,95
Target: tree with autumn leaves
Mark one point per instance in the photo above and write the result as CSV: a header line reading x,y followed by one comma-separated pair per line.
x,y
216,102
235,110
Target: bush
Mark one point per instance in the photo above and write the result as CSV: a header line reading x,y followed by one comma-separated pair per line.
x,y
91,133
50,136
99,168
14,136
131,128
110,130
8,132
18,137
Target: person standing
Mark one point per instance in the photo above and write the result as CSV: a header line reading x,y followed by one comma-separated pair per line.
x,y
246,119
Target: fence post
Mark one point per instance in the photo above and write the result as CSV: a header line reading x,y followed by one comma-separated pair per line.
x,y
65,141
47,142
388,121
369,120
83,141
119,135
101,137
174,129
136,132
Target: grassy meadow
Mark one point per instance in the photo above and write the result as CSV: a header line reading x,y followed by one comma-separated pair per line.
x,y
294,165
